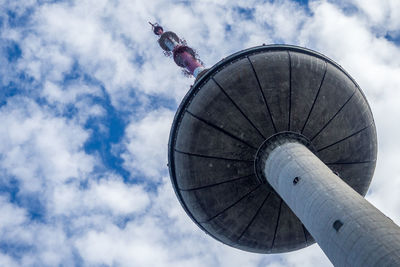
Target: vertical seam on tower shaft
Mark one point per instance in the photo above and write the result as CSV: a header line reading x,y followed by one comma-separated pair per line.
x,y
315,99
290,89
233,102
262,93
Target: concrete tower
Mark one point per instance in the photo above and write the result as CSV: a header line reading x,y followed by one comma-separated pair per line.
x,y
272,149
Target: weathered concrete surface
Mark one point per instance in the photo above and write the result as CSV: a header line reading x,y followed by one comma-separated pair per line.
x,y
366,237
230,111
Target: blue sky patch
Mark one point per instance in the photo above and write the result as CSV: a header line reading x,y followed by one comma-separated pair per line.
x,y
13,51
393,37
245,13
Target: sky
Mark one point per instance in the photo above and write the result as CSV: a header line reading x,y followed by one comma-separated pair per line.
x,y
87,99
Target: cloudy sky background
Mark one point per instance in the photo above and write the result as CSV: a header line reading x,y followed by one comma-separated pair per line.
x,y
87,100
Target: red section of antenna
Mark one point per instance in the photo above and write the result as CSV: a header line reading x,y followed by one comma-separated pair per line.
x,y
184,56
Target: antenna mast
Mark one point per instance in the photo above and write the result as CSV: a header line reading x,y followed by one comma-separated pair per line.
x,y
183,55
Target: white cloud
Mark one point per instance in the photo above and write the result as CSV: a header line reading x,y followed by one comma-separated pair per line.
x,y
11,215
37,148
285,18
383,14
42,60
119,197
55,94
105,196
77,94
133,245
165,231
80,32
6,260
17,230
146,143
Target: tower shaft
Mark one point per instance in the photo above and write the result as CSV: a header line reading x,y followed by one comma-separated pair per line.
x,y
350,230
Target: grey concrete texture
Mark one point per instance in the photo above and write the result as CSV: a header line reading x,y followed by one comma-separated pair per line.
x,y
237,105
366,237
